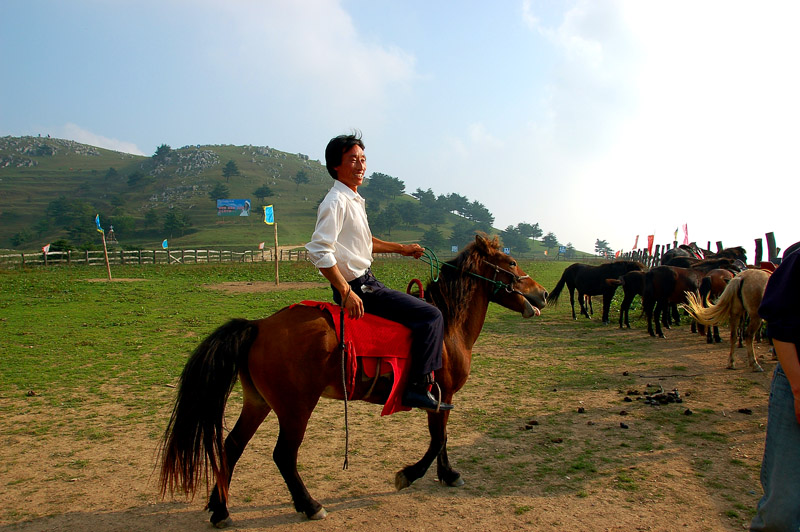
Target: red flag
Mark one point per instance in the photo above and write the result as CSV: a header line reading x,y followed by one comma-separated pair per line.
x,y
650,239
46,249
685,234
261,245
636,244
617,254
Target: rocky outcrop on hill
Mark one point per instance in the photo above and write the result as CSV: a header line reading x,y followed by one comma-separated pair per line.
x,y
17,151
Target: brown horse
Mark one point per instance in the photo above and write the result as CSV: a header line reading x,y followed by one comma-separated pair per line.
x,y
287,361
743,294
665,286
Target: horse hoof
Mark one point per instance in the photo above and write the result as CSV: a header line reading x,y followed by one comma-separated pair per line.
x,y
401,481
225,523
321,514
457,483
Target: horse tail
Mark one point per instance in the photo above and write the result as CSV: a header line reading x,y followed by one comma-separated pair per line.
x,y
194,433
552,297
718,313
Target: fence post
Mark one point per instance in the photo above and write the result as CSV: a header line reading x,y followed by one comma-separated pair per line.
x,y
759,252
772,250
719,246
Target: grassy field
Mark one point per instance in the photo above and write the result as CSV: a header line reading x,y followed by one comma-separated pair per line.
x,y
84,362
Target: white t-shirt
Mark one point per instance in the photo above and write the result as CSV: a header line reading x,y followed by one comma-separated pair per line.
x,y
342,236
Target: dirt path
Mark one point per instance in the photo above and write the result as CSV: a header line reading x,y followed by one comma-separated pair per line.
x,y
553,468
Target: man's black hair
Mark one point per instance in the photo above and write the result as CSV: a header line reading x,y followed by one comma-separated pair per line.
x,y
337,147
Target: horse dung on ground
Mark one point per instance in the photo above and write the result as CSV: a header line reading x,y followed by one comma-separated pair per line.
x,y
287,361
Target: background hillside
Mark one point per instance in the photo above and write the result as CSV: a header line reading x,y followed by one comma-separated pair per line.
x,y
51,189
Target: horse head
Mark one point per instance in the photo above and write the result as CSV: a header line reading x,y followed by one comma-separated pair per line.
x,y
512,287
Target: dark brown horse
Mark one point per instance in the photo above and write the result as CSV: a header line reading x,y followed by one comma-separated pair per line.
x,y
591,281
632,284
287,361
665,286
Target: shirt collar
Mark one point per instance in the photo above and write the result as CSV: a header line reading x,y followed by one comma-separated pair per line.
x,y
347,191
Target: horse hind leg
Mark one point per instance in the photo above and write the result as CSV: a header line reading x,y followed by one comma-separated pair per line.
x,y
292,429
254,411
749,337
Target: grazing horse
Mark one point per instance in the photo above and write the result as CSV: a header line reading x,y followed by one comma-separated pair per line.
x,y
287,361
632,284
591,281
663,286
743,294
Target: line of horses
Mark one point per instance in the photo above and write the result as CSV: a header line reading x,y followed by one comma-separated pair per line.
x,y
683,280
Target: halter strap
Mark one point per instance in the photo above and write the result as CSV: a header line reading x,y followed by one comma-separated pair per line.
x,y
430,258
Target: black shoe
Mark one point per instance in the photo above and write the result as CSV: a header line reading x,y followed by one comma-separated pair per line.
x,y
418,396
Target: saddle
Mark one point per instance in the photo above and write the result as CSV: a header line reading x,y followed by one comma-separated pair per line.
x,y
383,347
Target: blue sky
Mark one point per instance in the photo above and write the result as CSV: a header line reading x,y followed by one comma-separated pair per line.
x,y
594,119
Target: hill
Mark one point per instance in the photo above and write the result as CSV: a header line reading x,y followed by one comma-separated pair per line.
x,y
51,189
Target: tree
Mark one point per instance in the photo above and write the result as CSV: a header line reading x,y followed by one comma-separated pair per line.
x,y
175,221
229,170
550,241
513,239
433,239
570,251
263,192
162,154
151,218
478,213
123,225
387,219
529,231
300,178
601,247
463,233
219,191
135,178
111,173
383,187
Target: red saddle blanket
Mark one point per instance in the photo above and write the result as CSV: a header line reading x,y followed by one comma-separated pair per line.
x,y
384,346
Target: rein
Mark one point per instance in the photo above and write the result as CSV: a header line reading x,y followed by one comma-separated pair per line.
x,y
430,258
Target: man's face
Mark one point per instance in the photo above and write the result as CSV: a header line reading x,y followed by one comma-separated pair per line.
x,y
354,166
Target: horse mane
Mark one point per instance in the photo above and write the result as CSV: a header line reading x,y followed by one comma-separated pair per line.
x,y
452,293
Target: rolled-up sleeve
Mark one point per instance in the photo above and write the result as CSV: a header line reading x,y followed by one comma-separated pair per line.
x,y
322,247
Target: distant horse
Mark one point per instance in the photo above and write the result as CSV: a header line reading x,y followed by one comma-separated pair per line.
x,y
743,294
711,287
632,284
287,361
663,286
682,251
591,281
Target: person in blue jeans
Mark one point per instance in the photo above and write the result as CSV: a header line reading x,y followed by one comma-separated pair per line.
x,y
779,508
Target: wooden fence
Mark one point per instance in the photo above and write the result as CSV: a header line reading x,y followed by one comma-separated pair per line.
x,y
649,260
155,256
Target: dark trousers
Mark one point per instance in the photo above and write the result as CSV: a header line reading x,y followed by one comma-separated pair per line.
x,y
424,320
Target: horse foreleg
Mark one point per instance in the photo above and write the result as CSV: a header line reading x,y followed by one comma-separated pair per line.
x,y
254,411
437,426
444,472
572,303
293,428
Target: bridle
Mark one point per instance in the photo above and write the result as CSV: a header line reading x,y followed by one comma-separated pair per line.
x,y
429,257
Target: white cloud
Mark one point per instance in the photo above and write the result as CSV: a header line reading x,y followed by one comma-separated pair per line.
x,y
78,134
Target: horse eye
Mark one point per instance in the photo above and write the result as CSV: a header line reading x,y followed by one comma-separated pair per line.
x,y
513,263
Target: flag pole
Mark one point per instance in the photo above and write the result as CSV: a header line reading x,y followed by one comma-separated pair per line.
x,y
105,249
269,219
275,227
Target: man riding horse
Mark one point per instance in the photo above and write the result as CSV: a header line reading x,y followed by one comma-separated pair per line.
x,y
341,248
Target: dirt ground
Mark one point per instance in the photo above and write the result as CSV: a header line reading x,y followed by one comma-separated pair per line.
x,y
108,483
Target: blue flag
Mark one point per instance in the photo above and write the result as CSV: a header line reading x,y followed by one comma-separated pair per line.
x,y
97,223
269,215
164,244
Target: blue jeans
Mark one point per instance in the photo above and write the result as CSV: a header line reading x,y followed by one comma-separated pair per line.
x,y
424,320
779,508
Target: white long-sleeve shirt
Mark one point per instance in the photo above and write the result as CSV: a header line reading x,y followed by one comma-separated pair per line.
x,y
342,236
